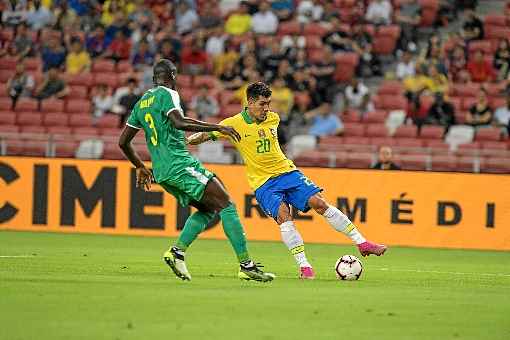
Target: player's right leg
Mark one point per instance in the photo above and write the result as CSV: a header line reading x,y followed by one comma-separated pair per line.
x,y
293,240
216,198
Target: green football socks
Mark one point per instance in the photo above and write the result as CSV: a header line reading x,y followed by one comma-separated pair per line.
x,y
194,225
234,231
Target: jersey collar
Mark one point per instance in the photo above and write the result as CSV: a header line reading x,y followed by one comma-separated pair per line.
x,y
246,116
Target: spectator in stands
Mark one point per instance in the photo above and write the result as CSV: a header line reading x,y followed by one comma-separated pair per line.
x,y
248,64
143,57
194,60
282,98
292,43
52,86
143,33
442,112
379,12
337,39
473,26
301,61
209,18
406,66
283,9
416,111
95,42
120,47
166,51
119,24
324,70
23,46
457,64
362,45
434,54
102,101
78,60
480,70
20,84
357,97
480,113
324,122
53,55
229,55
185,18
408,17
39,16
385,161
502,59
125,99
204,104
502,115
230,78
14,12
239,22
439,82
310,11
215,44
169,35
271,62
251,76
417,84
63,15
264,21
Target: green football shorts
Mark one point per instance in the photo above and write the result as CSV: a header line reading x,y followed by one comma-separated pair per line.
x,y
188,184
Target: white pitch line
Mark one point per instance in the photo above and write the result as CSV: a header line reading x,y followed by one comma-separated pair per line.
x,y
440,272
14,256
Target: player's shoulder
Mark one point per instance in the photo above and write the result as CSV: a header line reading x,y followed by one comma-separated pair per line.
x,y
273,117
233,120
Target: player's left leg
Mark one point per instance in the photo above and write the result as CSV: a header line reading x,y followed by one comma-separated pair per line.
x,y
341,223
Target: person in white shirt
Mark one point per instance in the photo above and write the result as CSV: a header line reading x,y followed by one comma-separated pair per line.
x,y
39,16
103,102
185,18
357,97
215,45
406,67
379,12
502,114
264,21
309,11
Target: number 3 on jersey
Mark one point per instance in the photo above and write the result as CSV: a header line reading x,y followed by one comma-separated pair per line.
x,y
154,134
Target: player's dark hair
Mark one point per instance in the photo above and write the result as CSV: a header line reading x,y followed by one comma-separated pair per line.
x,y
258,89
164,72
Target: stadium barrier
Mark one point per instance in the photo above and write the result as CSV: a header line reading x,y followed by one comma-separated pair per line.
x,y
421,209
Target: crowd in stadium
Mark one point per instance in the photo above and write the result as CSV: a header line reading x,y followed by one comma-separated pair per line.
x,y
79,66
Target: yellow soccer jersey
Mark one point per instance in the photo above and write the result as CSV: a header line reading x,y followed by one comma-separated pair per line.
x,y
258,146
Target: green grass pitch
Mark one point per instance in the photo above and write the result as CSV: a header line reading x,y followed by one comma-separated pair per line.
x,y
112,287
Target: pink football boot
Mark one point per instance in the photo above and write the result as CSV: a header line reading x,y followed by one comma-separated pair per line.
x,y
306,273
368,248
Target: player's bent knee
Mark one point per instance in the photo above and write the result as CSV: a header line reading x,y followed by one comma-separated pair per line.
x,y
318,204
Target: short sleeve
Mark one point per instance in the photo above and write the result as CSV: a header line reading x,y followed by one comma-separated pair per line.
x,y
214,135
133,120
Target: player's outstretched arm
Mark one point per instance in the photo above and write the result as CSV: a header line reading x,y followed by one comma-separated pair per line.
x,y
143,175
189,124
198,138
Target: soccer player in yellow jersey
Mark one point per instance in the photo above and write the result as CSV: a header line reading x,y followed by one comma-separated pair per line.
x,y
277,183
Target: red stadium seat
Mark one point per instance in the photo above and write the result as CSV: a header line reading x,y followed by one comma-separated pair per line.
x,y
493,32
413,162
59,130
386,39
14,146
289,28
78,106
444,163
354,130
80,120
111,79
103,65
494,145
488,134
313,41
375,117
495,20
345,66
25,104
55,119
230,110
65,149
456,102
393,102
6,74
465,90
112,131
382,141
406,131
184,80
467,103
315,29
340,159
315,55
29,119
330,143
35,148
432,132
429,9
112,151
391,87
437,146
7,118
8,63
359,160
495,165
409,142
52,105
78,92
480,45
230,97
357,140
186,94
108,121
210,81
125,66
33,64
376,130
497,102
81,79
33,129
85,131
313,158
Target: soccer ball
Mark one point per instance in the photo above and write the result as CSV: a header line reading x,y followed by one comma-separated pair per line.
x,y
348,267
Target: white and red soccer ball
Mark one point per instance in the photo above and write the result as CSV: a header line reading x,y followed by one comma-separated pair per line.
x,y
348,267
